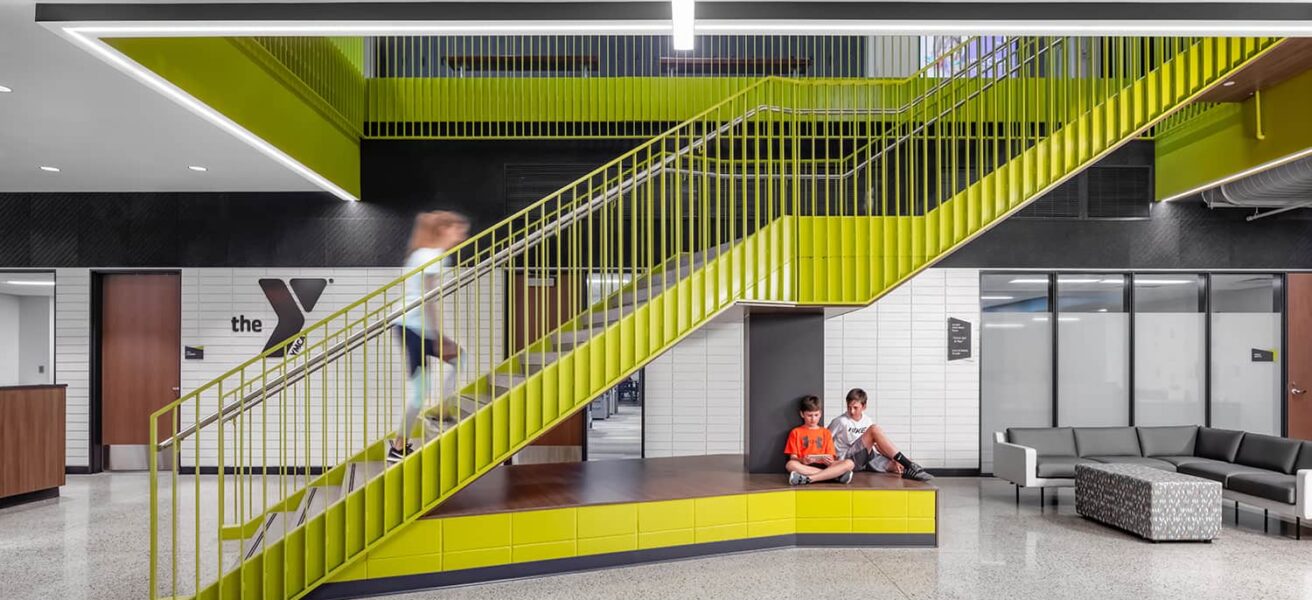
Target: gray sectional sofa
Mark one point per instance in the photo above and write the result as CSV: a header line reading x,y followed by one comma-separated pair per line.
x,y
1268,472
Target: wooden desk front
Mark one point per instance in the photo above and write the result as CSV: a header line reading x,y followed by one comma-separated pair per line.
x,y
31,439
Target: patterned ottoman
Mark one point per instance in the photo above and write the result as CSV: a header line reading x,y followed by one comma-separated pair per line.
x,y
1155,504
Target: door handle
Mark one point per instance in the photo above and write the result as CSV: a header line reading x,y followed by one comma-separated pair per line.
x,y
1297,391
179,390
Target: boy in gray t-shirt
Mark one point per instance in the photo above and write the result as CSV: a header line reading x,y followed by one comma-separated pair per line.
x,y
857,438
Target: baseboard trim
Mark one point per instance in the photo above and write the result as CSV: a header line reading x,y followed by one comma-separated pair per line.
x,y
954,472
409,583
77,470
36,496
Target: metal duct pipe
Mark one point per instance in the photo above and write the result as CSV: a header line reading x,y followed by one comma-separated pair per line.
x,y
1280,187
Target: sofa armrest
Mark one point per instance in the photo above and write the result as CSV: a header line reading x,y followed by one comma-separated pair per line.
x,y
1015,463
1303,483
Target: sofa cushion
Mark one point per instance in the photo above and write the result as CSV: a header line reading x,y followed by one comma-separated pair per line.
x,y
1275,486
1304,457
1180,460
1059,466
1107,441
1217,444
1219,471
1168,441
1046,441
1268,452
1135,460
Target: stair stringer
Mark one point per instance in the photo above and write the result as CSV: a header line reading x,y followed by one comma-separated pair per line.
x,y
361,520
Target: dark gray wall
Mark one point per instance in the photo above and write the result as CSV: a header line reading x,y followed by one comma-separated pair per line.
x,y
279,229
197,230
1183,234
785,360
403,177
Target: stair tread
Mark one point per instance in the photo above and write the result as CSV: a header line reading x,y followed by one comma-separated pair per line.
x,y
278,527
576,337
541,358
237,551
365,470
318,499
506,380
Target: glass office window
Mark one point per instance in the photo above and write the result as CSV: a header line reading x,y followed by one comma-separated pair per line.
x,y
1170,332
1093,341
27,328
1015,356
1246,369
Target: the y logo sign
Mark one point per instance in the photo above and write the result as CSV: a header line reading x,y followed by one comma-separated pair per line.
x,y
291,316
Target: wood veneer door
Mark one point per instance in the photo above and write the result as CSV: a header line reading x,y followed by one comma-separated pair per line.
x,y
1299,354
539,305
140,350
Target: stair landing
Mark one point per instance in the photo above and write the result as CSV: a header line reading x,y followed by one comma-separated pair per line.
x,y
531,520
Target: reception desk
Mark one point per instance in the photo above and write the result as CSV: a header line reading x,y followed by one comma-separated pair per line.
x,y
31,441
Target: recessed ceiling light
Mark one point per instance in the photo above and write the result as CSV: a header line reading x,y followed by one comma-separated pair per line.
x,y
5,90
1227,84
197,169
49,169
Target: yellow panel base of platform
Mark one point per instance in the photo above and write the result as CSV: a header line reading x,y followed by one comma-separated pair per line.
x,y
466,549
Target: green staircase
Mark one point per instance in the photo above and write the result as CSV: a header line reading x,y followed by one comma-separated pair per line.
x,y
790,192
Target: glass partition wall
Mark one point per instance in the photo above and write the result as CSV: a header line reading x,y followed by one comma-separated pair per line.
x,y
1246,360
1170,352
1015,355
1093,339
1108,349
27,328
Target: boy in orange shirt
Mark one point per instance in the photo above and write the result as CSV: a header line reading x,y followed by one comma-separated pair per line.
x,y
810,450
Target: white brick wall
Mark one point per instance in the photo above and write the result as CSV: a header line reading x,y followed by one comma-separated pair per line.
x,y
210,298
73,360
694,393
895,349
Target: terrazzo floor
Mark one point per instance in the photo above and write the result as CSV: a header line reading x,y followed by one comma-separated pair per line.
x,y
89,544
618,437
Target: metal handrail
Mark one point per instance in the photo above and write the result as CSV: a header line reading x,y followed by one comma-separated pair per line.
x,y
882,151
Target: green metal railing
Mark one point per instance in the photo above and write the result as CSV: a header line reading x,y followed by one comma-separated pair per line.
x,y
794,191
1181,118
330,68
585,86
591,86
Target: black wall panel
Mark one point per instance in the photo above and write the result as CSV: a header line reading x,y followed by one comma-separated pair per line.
x,y
403,177
1179,235
785,360
278,229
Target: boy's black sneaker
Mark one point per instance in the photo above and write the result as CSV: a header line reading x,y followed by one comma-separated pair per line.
x,y
916,472
394,455
845,477
798,479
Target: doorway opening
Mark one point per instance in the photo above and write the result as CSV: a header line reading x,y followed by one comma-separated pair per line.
x,y
615,422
